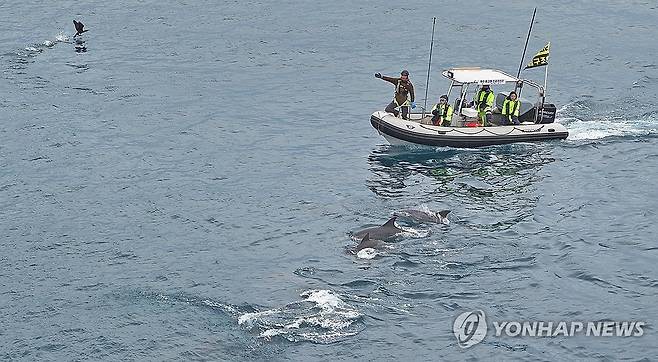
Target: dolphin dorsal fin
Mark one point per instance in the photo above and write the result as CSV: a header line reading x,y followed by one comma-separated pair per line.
x,y
444,213
391,222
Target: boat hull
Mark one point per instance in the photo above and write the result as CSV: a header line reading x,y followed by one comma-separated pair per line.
x,y
410,132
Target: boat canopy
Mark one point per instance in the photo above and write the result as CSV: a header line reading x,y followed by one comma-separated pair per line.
x,y
479,76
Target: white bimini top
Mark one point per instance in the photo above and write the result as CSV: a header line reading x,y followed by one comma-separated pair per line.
x,y
479,76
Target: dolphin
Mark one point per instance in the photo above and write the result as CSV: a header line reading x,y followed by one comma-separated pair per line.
x,y
79,28
384,232
366,242
439,217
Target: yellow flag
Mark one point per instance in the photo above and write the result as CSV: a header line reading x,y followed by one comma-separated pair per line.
x,y
541,58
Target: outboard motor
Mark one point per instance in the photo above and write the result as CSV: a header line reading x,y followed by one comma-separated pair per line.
x,y
547,114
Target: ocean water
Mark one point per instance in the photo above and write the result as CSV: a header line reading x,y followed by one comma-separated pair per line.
x,y
182,183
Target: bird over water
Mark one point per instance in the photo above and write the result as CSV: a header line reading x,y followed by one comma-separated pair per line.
x,y
79,28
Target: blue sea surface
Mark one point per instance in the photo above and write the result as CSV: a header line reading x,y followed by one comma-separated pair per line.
x,y
181,181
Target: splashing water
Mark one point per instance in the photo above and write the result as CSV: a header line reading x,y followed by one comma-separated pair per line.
x,y
585,122
61,37
414,233
597,129
367,253
322,317
424,208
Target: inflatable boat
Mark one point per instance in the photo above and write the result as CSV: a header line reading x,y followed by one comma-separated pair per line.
x,y
537,119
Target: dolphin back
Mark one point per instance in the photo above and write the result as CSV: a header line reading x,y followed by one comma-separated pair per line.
x,y
384,232
368,243
363,243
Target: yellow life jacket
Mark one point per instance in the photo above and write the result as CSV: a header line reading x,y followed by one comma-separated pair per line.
x,y
445,110
484,99
511,108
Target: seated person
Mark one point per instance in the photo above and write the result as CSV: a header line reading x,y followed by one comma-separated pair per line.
x,y
484,100
510,110
442,112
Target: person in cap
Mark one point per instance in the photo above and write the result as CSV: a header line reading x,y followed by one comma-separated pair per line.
x,y
442,112
404,94
510,109
484,100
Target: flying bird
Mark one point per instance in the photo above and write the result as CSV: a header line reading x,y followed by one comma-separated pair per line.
x,y
79,28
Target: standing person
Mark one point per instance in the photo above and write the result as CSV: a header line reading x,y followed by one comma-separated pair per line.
x,y
484,100
442,112
511,109
404,94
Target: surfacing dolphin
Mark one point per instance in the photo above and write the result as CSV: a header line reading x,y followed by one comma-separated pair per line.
x,y
79,28
367,242
439,217
385,232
